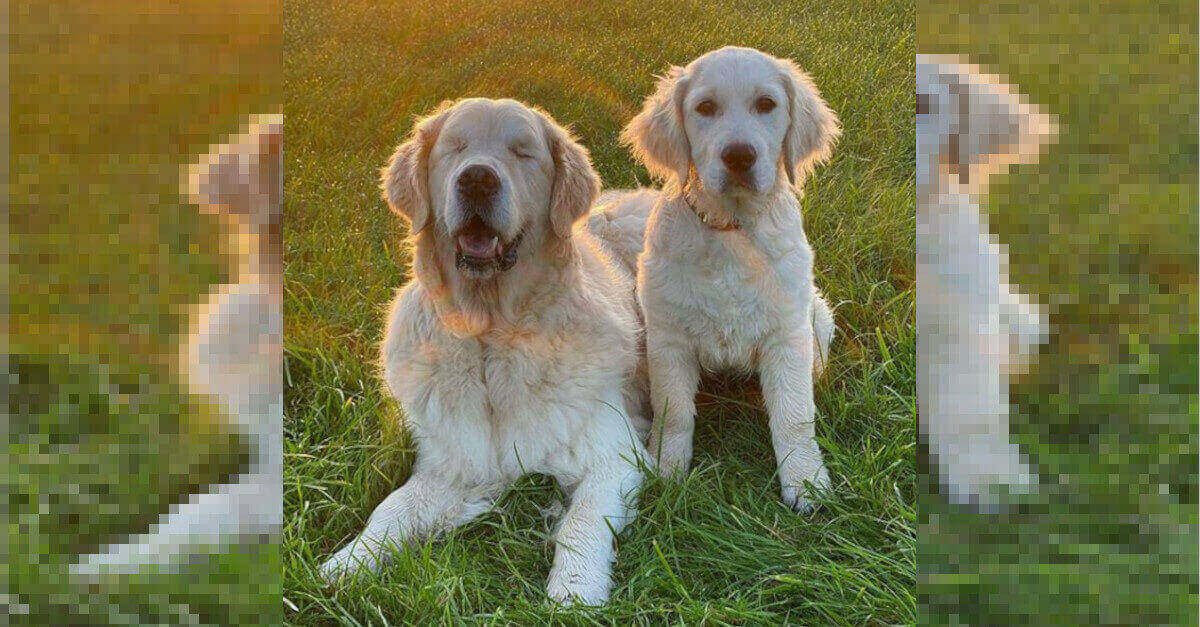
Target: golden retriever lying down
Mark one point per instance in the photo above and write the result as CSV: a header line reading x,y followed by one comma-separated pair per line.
x,y
515,346
231,357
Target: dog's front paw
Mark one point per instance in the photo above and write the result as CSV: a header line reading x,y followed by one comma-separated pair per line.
x,y
350,559
795,493
577,588
673,455
985,470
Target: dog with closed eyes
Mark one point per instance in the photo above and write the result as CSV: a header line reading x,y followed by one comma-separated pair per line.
x,y
232,358
725,279
515,348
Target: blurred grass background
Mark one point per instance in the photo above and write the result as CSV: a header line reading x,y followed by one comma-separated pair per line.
x,y
721,548
1103,228
106,101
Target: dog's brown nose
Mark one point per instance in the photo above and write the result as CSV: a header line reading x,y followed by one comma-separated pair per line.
x,y
738,157
478,182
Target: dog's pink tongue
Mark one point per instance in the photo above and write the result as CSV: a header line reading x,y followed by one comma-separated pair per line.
x,y
481,246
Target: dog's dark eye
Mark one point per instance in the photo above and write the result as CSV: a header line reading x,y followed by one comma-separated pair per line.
x,y
764,105
706,108
521,152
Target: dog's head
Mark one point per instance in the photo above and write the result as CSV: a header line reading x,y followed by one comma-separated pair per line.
x,y
239,181
739,118
493,179
971,125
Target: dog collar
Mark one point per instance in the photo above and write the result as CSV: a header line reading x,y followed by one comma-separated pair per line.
x,y
724,225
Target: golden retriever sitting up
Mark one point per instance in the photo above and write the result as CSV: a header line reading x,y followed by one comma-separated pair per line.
x,y
726,277
974,327
514,347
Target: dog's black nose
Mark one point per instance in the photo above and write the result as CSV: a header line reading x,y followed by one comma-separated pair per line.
x,y
738,157
478,182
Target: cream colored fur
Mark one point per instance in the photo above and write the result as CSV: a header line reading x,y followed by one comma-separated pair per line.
x,y
528,370
974,327
742,299
232,358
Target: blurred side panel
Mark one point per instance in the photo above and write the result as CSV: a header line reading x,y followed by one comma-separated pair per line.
x,y
142,485
1057,308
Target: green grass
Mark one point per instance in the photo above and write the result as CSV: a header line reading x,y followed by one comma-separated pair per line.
x,y
1104,227
719,547
106,102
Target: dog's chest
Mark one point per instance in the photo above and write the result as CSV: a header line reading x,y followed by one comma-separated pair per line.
x,y
959,268
511,407
234,352
730,296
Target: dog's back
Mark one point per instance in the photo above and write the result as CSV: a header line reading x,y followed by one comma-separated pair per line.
x,y
619,221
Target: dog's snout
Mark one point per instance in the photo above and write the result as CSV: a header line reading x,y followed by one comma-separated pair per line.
x,y
739,157
478,182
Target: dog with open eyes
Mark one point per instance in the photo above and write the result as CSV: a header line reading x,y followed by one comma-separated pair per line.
x,y
725,279
515,348
974,326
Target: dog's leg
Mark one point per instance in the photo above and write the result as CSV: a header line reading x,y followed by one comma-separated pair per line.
x,y
421,507
674,377
785,372
968,425
236,511
602,503
233,360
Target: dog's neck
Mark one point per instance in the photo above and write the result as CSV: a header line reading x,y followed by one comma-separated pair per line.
x,y
506,303
733,212
951,219
258,249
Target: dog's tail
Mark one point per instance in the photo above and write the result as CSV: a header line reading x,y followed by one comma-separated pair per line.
x,y
823,330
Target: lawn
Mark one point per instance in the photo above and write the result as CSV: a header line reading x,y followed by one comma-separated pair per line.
x,y
718,547
104,255
1104,228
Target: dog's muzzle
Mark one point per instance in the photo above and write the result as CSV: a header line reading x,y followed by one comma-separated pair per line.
x,y
739,163
479,249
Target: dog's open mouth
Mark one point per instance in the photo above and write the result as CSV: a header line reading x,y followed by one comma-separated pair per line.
x,y
479,248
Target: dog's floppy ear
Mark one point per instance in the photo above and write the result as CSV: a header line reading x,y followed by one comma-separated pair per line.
x,y
991,126
576,184
656,135
240,179
405,179
813,127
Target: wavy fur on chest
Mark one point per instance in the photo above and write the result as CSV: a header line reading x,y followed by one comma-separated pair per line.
x,y
513,398
726,292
